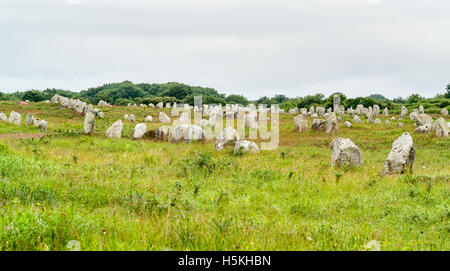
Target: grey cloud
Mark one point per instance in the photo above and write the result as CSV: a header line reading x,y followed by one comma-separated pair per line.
x,y
250,47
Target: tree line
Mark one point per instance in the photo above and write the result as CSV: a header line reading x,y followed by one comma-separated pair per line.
x,y
144,93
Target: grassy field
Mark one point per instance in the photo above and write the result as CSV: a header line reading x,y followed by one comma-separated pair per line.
x,y
123,194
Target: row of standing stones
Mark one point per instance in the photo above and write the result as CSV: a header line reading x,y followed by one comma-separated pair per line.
x,y
344,151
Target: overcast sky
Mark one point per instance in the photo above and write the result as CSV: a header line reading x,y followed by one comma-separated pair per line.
x,y
250,47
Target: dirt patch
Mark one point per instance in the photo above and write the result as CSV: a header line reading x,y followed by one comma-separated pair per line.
x,y
21,135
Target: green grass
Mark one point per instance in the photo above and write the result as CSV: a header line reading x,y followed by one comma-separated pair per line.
x,y
125,194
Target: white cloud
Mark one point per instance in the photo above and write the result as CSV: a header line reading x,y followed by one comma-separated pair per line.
x,y
373,2
73,2
251,47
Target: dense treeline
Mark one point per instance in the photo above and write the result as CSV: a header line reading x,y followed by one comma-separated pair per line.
x,y
127,92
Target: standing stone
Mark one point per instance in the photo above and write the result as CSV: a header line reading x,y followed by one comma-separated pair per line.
x,y
163,133
44,125
311,110
376,110
423,119
385,112
139,130
301,123
345,153
318,124
163,118
421,110
336,103
30,119
413,115
387,123
332,123
132,118
401,156
115,131
320,110
356,119
188,133
441,128
148,119
89,124
444,112
3,117
377,121
403,112
126,117
15,118
227,137
348,124
244,146
359,109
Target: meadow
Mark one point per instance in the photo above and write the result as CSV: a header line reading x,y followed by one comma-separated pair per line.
x,y
123,194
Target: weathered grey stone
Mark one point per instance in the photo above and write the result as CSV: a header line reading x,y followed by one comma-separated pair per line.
x,y
318,124
421,110
44,125
332,124
301,123
139,130
400,124
336,103
320,111
377,121
441,127
293,111
89,124
163,133
403,113
401,156
227,137
376,110
115,130
187,132
244,146
148,119
348,124
385,112
15,118
444,112
345,153
163,118
387,123
132,118
103,103
3,117
424,129
413,115
356,119
423,119
29,120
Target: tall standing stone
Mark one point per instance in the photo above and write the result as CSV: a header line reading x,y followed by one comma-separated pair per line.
x,y
15,118
89,124
336,103
115,131
401,156
441,127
